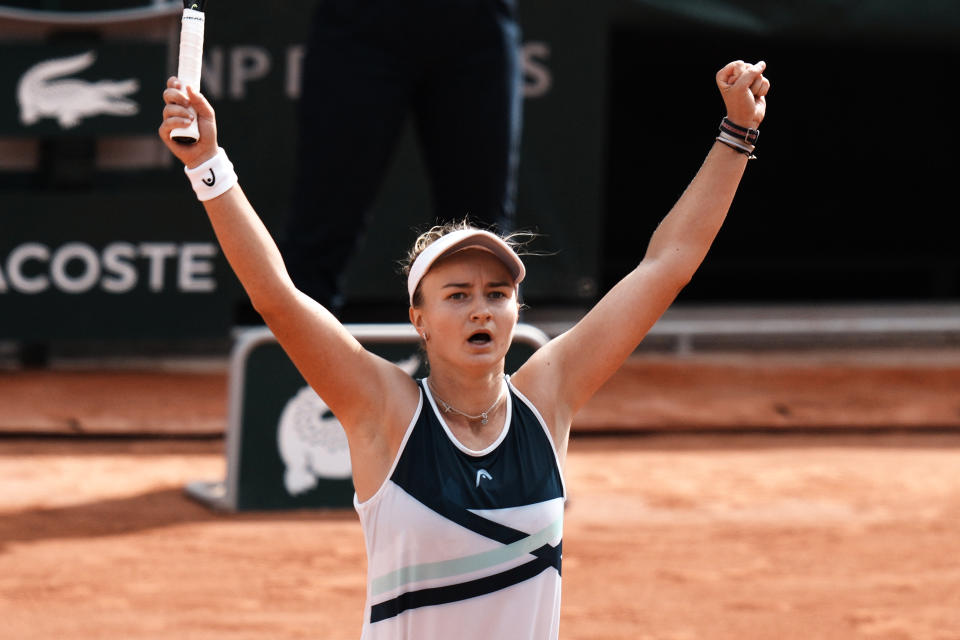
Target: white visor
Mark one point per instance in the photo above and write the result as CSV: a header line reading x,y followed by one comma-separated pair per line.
x,y
458,241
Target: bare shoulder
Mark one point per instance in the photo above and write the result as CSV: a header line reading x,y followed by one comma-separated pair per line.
x,y
540,382
375,435
398,396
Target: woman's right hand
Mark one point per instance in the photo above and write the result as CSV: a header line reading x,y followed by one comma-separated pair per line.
x,y
183,105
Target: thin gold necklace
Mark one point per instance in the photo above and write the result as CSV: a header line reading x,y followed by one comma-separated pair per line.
x,y
448,408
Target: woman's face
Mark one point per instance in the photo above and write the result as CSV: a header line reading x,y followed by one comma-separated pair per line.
x,y
469,309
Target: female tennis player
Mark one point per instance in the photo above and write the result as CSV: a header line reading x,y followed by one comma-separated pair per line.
x,y
458,476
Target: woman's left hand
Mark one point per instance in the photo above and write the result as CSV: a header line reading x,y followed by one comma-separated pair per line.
x,y
744,88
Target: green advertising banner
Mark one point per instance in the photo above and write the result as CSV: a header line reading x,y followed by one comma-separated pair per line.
x,y
100,234
101,237
98,220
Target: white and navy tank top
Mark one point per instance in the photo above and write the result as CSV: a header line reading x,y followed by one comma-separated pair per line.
x,y
466,544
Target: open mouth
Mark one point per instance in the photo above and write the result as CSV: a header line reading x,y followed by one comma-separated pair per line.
x,y
480,338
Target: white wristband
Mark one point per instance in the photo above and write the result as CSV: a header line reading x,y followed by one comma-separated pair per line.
x,y
212,178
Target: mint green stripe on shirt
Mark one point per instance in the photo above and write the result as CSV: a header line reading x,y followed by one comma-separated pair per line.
x,y
467,564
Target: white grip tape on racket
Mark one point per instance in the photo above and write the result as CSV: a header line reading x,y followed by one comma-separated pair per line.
x,y
190,65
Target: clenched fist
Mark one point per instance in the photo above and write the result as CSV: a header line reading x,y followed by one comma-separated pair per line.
x,y
744,91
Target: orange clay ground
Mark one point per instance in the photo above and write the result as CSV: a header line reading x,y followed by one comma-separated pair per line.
x,y
825,530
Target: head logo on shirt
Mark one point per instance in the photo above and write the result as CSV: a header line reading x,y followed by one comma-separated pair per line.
x,y
483,474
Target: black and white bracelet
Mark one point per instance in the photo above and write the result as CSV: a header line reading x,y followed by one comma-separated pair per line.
x,y
747,135
740,139
212,178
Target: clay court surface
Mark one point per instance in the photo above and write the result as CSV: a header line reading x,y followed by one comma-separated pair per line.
x,y
832,534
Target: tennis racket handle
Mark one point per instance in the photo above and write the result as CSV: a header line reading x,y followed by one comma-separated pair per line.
x,y
189,67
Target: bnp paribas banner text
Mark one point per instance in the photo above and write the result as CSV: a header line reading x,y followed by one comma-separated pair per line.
x,y
100,234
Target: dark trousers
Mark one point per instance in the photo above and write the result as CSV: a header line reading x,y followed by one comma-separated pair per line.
x,y
454,66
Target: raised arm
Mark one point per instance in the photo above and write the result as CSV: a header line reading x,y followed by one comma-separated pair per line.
x,y
358,386
568,371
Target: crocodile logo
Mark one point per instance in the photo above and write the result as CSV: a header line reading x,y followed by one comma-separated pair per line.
x,y
45,92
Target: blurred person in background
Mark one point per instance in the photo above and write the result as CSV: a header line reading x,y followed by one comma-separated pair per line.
x,y
451,65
